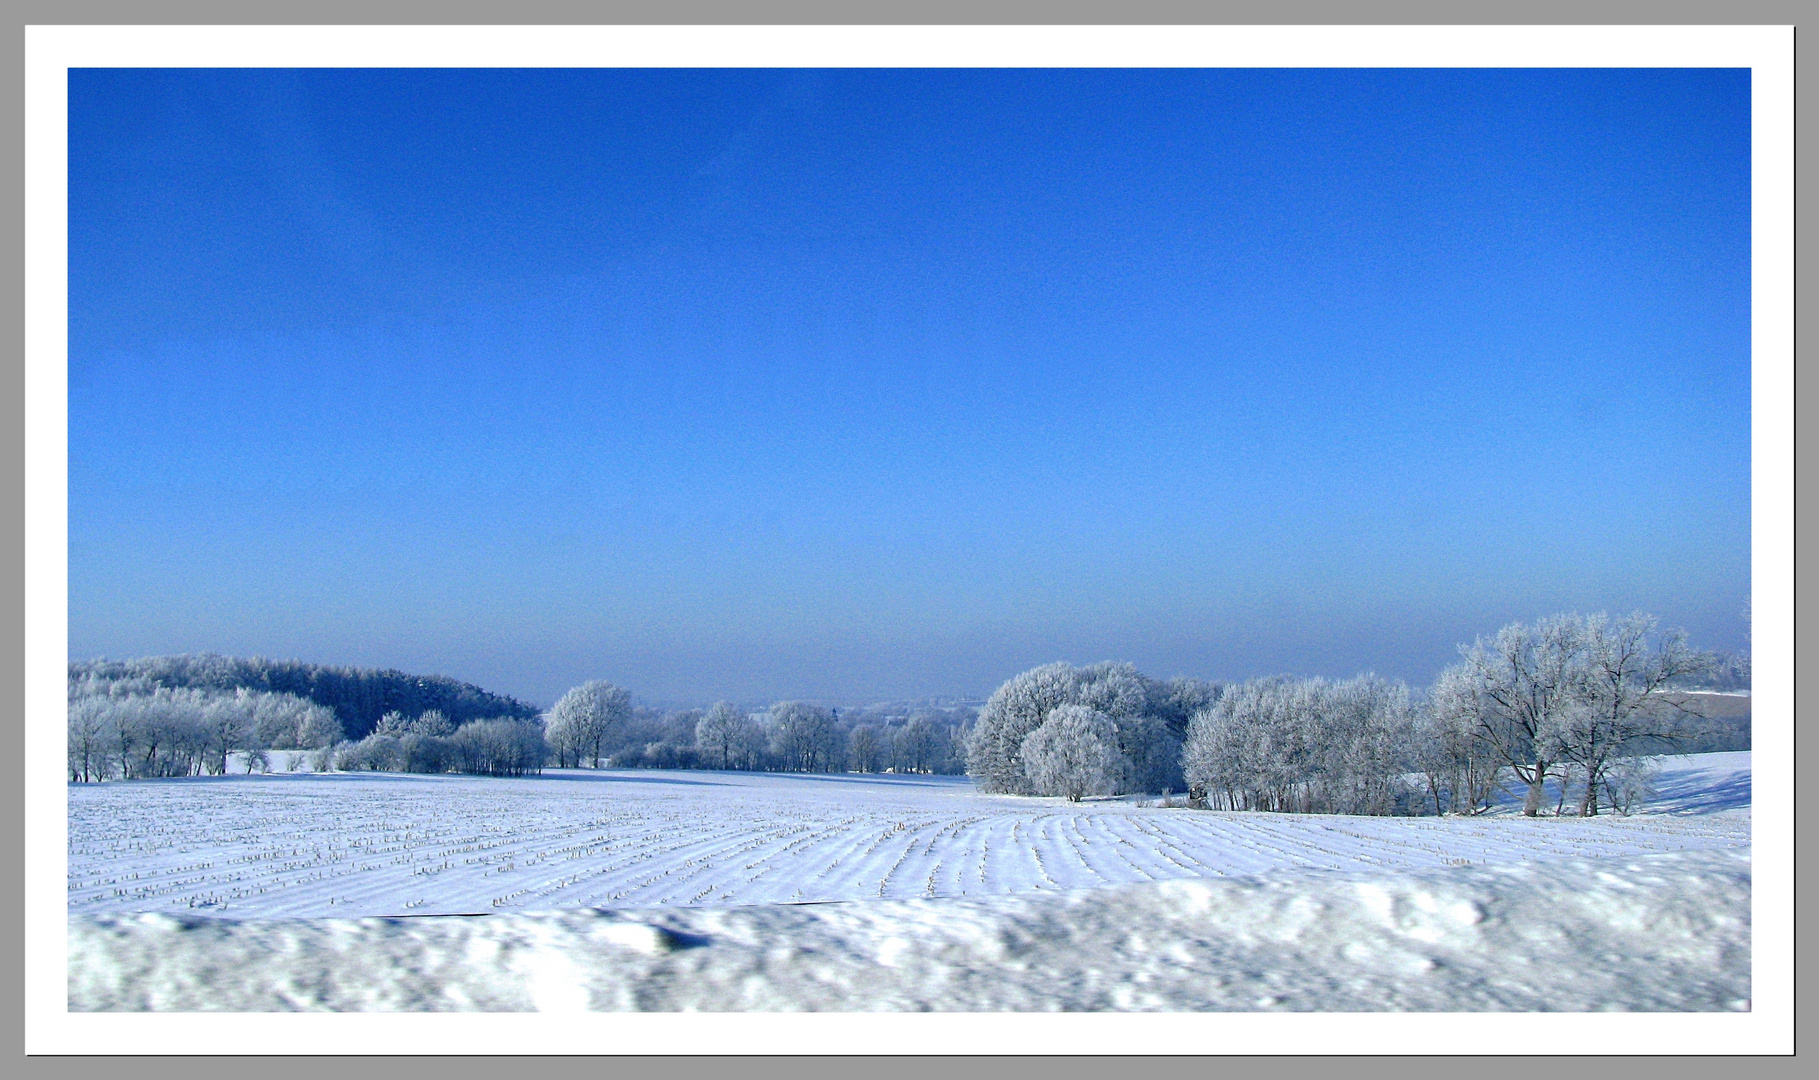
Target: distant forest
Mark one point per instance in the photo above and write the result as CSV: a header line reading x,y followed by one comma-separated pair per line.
x,y
359,696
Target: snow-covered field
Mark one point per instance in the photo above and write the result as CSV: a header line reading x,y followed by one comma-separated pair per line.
x,y
305,845
754,891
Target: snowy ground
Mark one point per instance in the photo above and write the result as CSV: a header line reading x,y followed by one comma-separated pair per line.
x,y
304,845
684,890
1655,932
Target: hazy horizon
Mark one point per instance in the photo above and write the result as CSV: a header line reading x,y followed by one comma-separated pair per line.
x,y
875,385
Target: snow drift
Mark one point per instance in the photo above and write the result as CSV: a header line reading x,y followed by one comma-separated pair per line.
x,y
1654,932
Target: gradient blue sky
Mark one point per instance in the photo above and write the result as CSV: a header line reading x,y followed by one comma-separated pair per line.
x,y
863,384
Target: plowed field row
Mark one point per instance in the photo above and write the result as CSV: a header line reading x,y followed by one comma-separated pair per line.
x,y
353,845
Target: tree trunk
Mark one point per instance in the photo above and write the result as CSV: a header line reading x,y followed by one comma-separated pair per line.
x,y
1537,790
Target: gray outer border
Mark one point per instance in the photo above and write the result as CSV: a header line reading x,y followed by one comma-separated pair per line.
x,y
1106,12
1109,12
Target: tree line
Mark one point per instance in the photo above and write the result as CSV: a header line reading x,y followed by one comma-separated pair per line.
x,y
596,725
431,743
183,716
1575,700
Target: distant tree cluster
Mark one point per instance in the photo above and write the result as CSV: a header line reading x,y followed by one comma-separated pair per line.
x,y
583,720
130,730
1724,672
1574,700
500,746
115,732
921,737
596,725
726,737
358,696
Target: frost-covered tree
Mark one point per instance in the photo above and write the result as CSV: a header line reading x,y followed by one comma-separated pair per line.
x,y
1625,666
753,745
1459,769
1302,746
586,716
322,758
400,744
1116,689
1149,752
1143,712
959,736
167,730
320,730
500,747
1570,691
1518,691
1073,753
88,739
918,746
377,752
721,734
1363,732
120,731
1237,751
425,746
288,722
432,724
675,746
864,749
227,726
994,755
503,746
564,737
803,737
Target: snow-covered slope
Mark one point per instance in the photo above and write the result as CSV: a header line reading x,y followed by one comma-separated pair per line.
x,y
303,845
1686,784
1668,932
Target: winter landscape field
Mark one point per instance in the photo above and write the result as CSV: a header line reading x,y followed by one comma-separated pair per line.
x,y
623,867
926,539
339,844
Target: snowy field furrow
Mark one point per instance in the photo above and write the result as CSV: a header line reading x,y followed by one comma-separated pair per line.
x,y
352,845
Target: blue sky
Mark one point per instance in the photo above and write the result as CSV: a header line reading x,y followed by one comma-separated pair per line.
x,y
864,384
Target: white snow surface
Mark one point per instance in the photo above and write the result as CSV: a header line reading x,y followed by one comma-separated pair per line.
x,y
728,891
320,845
1654,932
